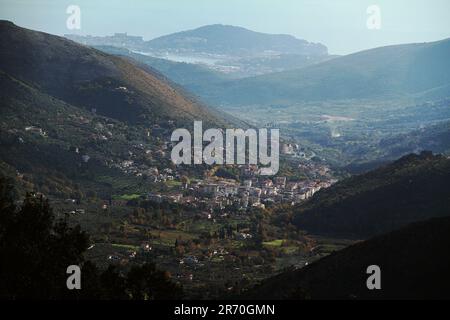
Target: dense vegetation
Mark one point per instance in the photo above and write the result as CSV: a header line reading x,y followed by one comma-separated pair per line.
x,y
36,248
410,189
413,260
86,105
435,137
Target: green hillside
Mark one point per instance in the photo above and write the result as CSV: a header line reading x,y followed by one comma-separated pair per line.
x,y
78,122
435,138
410,189
90,79
417,70
43,141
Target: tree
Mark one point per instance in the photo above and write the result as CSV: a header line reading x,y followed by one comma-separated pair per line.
x,y
36,249
147,283
185,180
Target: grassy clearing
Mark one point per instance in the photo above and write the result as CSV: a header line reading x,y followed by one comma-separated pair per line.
x,y
274,243
173,183
168,237
127,197
124,246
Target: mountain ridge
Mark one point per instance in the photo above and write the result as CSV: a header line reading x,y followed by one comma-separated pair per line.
x,y
412,260
412,188
71,116
86,77
233,38
385,72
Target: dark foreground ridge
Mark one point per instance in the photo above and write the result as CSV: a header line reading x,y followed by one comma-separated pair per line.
x,y
413,260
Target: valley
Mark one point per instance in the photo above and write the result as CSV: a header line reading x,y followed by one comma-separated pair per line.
x,y
102,165
85,138
331,118
354,132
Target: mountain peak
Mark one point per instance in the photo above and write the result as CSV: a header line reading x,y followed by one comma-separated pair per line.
x,y
233,28
220,26
228,39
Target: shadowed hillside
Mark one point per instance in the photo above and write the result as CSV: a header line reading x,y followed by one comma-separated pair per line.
x,y
413,260
410,189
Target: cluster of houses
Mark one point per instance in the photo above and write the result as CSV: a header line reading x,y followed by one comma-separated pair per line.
x,y
137,169
257,192
214,194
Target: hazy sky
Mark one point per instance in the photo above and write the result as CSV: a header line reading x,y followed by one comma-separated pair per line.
x,y
340,25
